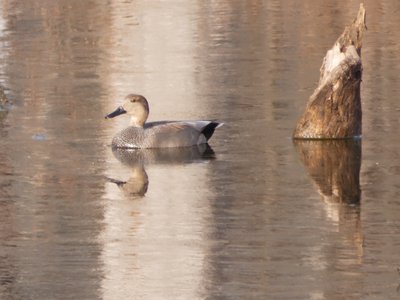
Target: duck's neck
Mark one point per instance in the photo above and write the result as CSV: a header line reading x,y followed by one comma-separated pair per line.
x,y
137,122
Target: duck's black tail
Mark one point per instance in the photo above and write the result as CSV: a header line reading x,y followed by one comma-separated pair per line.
x,y
208,130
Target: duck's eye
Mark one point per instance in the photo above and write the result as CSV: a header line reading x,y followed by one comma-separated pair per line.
x,y
133,100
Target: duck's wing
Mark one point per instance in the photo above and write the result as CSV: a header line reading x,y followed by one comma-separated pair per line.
x,y
179,133
207,128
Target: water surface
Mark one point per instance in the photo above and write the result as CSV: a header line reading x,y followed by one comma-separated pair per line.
x,y
254,217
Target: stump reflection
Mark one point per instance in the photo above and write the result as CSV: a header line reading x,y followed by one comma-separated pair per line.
x,y
334,166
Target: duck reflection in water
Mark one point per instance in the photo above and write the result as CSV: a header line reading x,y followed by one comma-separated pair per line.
x,y
138,159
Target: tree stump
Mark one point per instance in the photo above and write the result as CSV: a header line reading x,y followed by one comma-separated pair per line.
x,y
334,109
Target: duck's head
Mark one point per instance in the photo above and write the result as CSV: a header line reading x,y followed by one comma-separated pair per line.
x,y
136,107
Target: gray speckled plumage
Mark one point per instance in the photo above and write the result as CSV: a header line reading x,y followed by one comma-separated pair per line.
x,y
158,134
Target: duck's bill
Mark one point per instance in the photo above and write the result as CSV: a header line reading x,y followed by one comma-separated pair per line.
x,y
119,111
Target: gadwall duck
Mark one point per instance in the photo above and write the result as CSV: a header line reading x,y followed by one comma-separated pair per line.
x,y
160,134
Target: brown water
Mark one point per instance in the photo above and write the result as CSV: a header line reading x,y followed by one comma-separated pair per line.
x,y
255,217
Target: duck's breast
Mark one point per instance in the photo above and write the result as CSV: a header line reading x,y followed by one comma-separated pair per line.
x,y
130,137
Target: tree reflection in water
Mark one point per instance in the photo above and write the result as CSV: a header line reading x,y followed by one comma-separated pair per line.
x,y
334,166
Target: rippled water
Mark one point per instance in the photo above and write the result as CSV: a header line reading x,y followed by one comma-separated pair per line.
x,y
256,216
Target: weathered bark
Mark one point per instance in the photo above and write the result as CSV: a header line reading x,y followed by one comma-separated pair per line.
x,y
334,109
3,97
334,166
4,103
